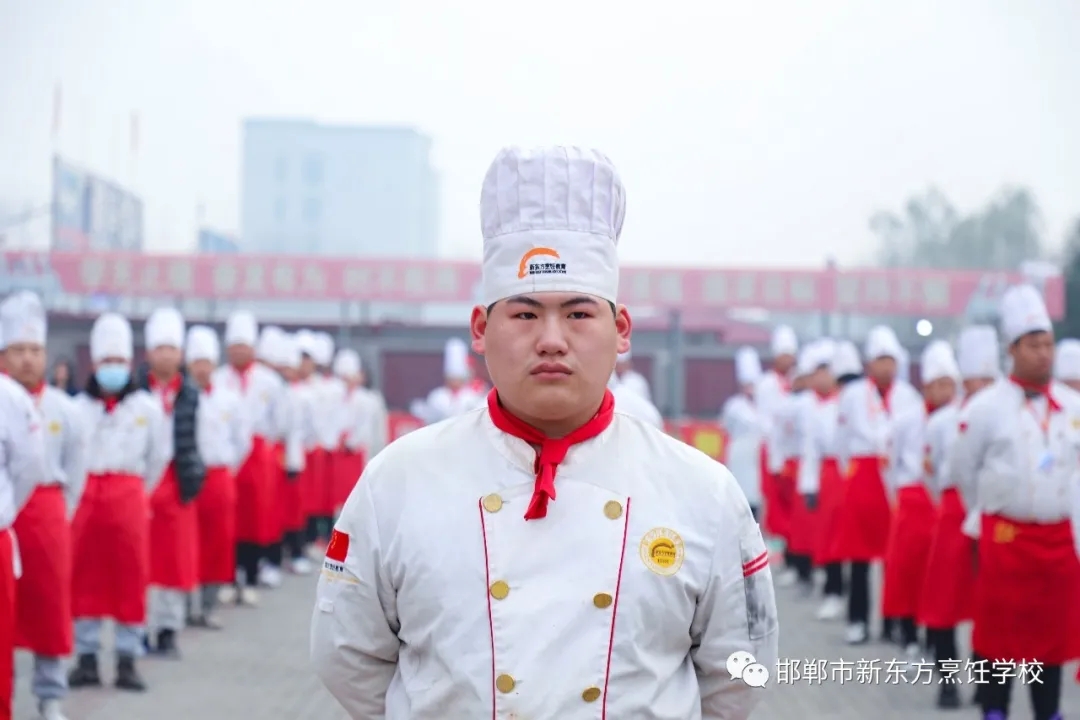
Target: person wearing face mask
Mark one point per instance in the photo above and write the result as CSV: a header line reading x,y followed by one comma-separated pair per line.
x,y
562,508
42,526
127,437
866,411
911,533
1016,460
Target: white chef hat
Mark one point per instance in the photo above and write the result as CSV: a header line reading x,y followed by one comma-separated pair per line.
x,y
747,366
826,350
1023,311
22,320
1067,360
784,341
456,360
347,363
241,329
551,219
202,344
845,360
324,348
164,327
937,361
977,352
265,347
882,342
286,350
110,337
307,344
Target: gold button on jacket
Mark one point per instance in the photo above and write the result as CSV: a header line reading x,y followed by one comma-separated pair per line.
x,y
499,590
493,503
591,694
505,683
602,600
613,509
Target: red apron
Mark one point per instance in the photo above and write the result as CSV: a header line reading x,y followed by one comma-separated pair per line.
x,y
864,512
348,467
313,482
110,537
1027,592
256,496
910,537
293,512
778,493
174,537
830,496
804,521
44,623
215,509
945,601
8,609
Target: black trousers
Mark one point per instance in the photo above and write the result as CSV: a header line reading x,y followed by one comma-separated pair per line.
x,y
859,593
834,579
1045,693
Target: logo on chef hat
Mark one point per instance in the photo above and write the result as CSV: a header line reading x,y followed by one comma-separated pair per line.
x,y
741,665
541,261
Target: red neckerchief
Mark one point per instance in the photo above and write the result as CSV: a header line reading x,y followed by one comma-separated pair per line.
x,y
111,402
552,451
785,384
824,397
1043,390
883,392
242,373
37,391
168,391
930,408
209,388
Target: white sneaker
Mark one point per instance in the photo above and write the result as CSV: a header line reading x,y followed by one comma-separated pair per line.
x,y
50,710
832,608
302,566
249,597
856,634
270,576
227,595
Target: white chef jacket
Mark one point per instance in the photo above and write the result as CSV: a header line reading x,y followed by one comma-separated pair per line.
x,y
817,419
23,459
438,600
133,439
941,430
364,421
743,425
864,427
259,387
223,431
63,443
1003,461
442,403
770,396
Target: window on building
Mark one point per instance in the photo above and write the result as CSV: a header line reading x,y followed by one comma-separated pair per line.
x,y
313,169
312,211
281,168
279,210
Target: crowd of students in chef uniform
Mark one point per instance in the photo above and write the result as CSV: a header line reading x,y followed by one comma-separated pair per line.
x,y
163,492
962,490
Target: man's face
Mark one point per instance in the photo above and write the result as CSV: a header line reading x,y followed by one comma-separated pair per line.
x,y
940,392
882,370
200,371
784,363
240,356
25,362
307,367
164,360
1033,357
822,381
551,354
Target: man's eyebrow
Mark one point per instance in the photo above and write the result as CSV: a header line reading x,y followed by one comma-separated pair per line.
x,y
572,302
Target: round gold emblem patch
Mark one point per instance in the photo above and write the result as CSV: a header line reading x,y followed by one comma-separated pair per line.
x,y
662,551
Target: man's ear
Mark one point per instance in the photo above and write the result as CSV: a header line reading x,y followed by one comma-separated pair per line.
x,y
478,326
624,326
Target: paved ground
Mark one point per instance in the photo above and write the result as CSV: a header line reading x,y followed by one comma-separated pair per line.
x,y
257,668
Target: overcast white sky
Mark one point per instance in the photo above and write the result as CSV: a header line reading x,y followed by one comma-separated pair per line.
x,y
761,133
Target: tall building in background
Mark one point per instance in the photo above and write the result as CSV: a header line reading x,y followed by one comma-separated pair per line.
x,y
338,190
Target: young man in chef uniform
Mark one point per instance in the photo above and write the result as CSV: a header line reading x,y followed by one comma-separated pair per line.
x,y
743,425
43,527
128,447
1016,459
544,556
224,440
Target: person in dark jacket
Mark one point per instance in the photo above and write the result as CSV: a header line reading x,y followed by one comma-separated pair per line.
x,y
174,558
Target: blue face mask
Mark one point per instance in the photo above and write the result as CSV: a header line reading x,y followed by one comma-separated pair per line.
x,y
113,378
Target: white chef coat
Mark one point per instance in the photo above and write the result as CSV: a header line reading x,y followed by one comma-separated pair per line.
x,y
133,439
864,426
635,382
23,458
1003,461
365,421
448,604
817,419
629,401
259,387
743,425
941,430
223,431
330,395
770,396
442,403
63,442
907,463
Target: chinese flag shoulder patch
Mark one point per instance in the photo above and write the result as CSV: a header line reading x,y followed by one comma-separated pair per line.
x,y
338,548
